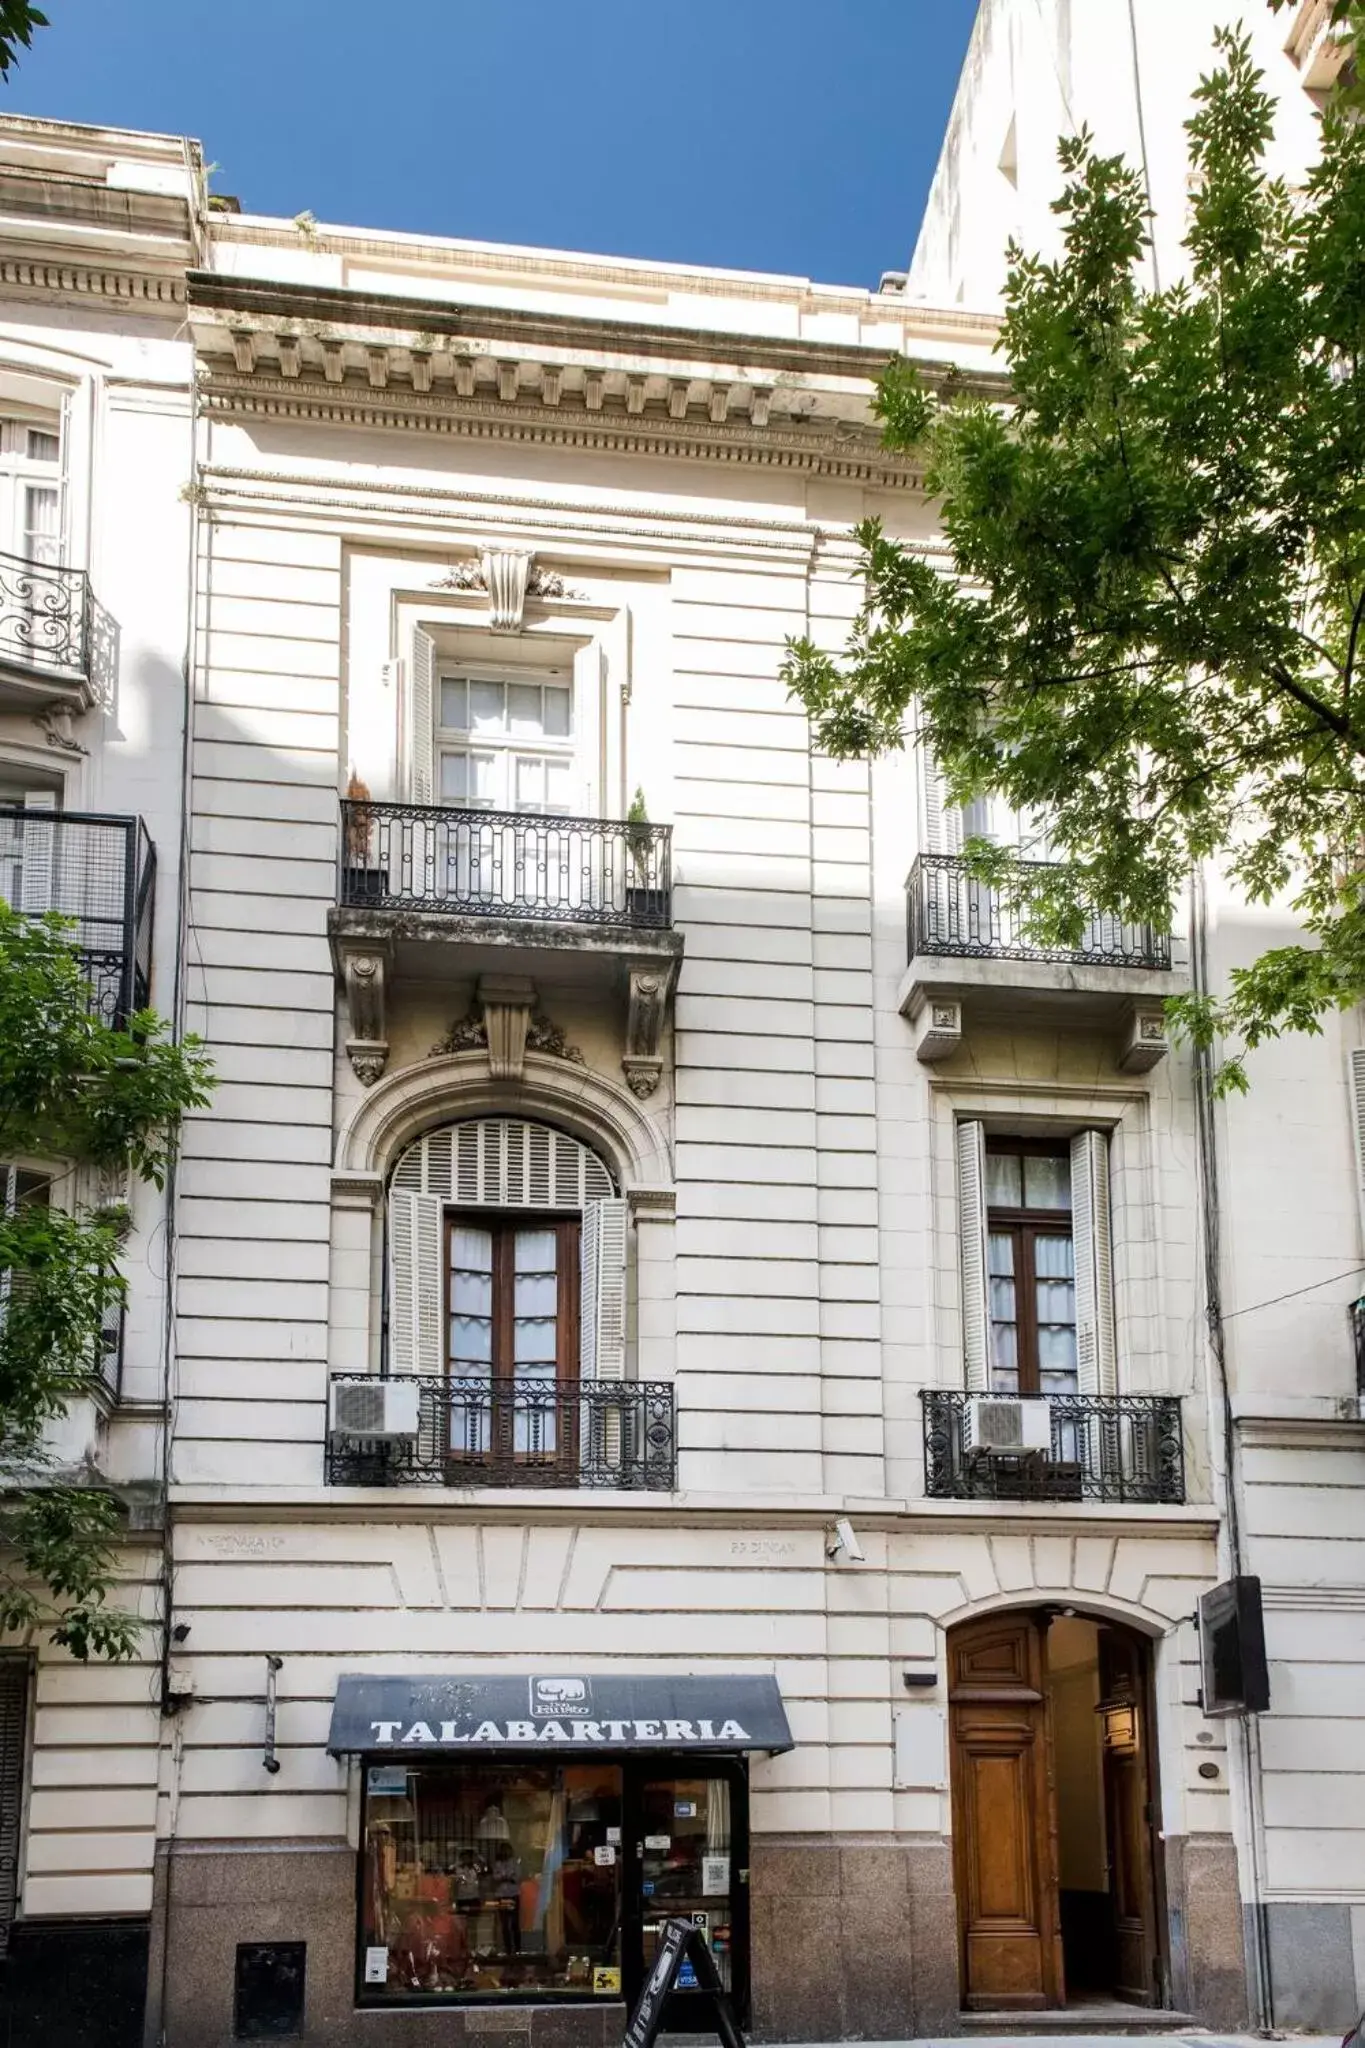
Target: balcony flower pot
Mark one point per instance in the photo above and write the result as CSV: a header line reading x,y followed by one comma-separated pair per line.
x,y
646,906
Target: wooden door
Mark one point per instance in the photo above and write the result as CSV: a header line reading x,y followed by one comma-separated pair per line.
x,y
1128,1815
1004,1829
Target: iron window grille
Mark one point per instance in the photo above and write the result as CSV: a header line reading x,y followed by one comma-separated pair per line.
x,y
1114,1447
599,1434
518,864
52,623
950,913
1358,1334
101,873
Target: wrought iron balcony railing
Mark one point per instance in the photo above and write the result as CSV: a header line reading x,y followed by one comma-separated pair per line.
x,y
470,1433
1358,1334
109,1351
1116,1447
52,623
951,913
101,873
596,871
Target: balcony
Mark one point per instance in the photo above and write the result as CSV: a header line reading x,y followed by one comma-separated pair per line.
x,y
597,1434
1109,1447
101,873
970,957
515,901
58,645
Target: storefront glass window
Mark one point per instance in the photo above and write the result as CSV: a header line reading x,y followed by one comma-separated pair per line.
x,y
492,1878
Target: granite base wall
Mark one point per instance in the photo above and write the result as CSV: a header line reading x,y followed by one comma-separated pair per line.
x,y
851,1940
1207,1954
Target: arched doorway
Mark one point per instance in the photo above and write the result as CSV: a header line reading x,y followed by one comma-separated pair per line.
x,y
1054,1812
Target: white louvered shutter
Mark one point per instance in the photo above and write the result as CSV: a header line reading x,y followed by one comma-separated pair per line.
x,y
38,872
415,1291
1355,1081
602,1307
1096,1348
500,1162
421,718
972,1240
942,821
14,1684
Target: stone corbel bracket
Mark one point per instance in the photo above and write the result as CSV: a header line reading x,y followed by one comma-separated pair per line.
x,y
1145,1041
365,965
650,991
937,1028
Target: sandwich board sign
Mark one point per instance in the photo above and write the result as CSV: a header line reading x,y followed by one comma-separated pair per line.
x,y
680,1942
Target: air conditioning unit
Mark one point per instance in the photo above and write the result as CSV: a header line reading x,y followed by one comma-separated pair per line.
x,y
1007,1423
374,1408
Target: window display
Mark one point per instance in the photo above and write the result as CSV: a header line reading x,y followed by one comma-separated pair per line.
x,y
491,1878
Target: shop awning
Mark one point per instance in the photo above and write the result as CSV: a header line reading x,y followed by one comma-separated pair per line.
x,y
427,1715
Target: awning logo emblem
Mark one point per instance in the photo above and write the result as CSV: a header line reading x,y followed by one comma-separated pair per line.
x,y
558,1698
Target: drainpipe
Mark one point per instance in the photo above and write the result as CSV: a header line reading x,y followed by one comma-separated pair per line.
x,y
1206,1144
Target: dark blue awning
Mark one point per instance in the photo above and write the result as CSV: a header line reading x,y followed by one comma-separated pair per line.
x,y
462,1716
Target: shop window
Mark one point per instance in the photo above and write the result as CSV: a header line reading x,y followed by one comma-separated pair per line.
x,y
492,1878
1036,1252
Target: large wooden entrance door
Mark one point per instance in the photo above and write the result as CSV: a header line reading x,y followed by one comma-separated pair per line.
x,y
1004,1832
1128,1815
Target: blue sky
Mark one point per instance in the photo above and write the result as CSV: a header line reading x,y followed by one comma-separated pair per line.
x,y
766,134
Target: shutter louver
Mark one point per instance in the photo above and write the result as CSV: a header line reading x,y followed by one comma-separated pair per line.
x,y
972,1239
415,1291
13,1743
421,718
1355,1072
602,1308
1096,1347
504,1163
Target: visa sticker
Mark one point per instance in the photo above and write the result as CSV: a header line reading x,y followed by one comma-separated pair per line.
x,y
687,1976
684,1809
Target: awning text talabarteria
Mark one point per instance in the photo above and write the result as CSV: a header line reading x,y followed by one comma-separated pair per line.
x,y
461,1716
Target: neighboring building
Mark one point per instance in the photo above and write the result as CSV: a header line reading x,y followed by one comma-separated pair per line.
x,y
582,1504
1284,1185
97,230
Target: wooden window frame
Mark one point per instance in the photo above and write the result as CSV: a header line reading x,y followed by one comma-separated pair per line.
x,y
503,1224
1025,1227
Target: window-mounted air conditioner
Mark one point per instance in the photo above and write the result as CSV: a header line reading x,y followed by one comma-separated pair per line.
x,y
1008,1423
374,1408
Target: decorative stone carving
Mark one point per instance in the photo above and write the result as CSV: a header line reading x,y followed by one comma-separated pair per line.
x,y
364,967
466,1034
1145,1041
505,1021
543,1035
649,987
509,578
938,1028
57,723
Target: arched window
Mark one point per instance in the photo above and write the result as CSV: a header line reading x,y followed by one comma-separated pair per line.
x,y
507,1262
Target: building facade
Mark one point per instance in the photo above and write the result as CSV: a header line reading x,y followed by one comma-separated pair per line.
x,y
1282,1179
646,1181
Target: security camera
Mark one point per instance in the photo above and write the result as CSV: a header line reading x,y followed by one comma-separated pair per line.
x,y
844,1543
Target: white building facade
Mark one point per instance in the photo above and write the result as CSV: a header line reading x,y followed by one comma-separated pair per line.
x,y
1283,1179
632,1215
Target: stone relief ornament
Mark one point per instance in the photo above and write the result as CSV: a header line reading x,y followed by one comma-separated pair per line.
x,y
509,577
543,1035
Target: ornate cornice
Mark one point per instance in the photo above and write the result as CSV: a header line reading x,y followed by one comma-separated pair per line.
x,y
335,308
55,280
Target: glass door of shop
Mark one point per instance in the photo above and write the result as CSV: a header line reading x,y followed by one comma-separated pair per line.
x,y
688,1830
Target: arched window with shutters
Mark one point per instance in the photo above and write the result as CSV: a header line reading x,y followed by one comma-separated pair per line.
x,y
506,1277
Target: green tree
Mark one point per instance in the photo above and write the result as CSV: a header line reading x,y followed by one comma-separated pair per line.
x,y
18,19
1152,634
73,1093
